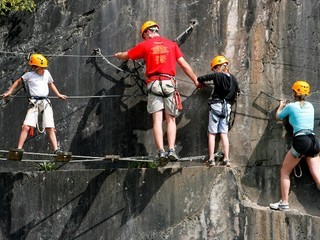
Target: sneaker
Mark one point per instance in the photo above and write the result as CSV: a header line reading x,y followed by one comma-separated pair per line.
x,y
211,163
162,158
279,206
162,155
172,156
57,151
226,162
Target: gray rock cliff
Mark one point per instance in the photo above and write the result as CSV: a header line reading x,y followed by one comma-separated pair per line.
x,y
270,44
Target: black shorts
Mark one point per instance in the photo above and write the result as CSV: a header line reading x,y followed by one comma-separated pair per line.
x,y
306,145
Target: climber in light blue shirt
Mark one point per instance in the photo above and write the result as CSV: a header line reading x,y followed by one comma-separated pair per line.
x,y
305,144
301,117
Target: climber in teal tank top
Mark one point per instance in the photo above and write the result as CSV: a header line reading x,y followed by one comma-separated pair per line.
x,y
305,144
301,116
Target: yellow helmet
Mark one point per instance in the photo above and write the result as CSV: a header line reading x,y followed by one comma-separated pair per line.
x,y
218,60
147,25
301,87
38,60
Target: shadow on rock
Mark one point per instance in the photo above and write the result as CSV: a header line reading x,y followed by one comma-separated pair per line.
x,y
107,125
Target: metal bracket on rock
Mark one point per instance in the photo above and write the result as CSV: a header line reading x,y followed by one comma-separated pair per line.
x,y
183,36
98,52
270,96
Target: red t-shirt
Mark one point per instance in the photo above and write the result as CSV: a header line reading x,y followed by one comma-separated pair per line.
x,y
160,55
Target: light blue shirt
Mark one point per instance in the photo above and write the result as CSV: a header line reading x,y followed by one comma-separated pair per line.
x,y
300,118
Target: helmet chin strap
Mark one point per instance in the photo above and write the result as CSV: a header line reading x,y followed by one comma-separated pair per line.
x,y
35,68
38,70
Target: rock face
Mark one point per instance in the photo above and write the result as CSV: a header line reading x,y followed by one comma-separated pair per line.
x,y
270,44
176,202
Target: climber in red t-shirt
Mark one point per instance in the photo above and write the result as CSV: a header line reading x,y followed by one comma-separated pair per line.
x,y
160,56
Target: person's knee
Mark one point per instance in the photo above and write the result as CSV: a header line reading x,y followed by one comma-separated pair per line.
x,y
25,128
50,130
170,118
284,172
224,136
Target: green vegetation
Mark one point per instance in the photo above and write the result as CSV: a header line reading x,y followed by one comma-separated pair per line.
x,y
141,165
47,166
7,6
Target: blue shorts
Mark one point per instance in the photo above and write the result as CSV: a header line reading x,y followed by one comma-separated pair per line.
x,y
218,124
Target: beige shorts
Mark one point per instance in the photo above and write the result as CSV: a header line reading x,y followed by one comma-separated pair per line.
x,y
40,106
161,96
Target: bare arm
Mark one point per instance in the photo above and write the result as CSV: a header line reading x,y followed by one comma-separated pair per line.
x,y
13,86
122,55
282,105
56,91
188,71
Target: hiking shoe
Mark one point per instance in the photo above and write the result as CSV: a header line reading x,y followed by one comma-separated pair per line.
x,y
279,206
162,155
211,163
162,158
57,151
226,162
172,156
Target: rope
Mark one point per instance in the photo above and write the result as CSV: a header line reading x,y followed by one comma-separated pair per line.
x,y
88,96
46,160
60,55
80,56
135,159
200,158
88,158
270,97
51,154
300,170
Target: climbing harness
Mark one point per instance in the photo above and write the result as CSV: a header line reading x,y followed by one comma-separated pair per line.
x,y
163,85
164,89
224,112
314,145
229,106
39,105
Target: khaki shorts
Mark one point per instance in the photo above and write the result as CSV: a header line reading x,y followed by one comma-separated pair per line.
x,y
34,111
161,96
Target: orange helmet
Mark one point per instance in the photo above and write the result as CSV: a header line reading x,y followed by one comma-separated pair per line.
x,y
218,60
147,25
38,60
301,87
